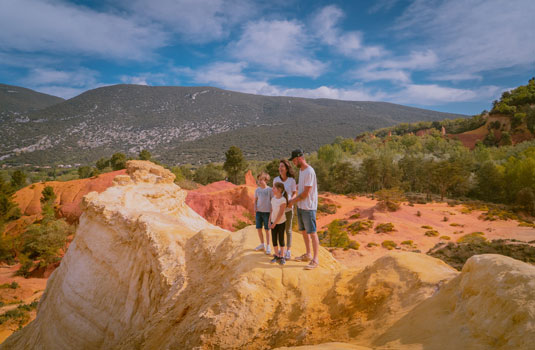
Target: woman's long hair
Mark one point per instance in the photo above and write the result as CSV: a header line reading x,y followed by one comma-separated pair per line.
x,y
280,186
289,169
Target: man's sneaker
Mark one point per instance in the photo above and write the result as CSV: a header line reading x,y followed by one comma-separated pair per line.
x,y
282,261
260,247
275,259
287,255
268,250
303,258
312,265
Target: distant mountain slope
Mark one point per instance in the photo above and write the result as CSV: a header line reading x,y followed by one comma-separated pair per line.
x,y
190,124
18,99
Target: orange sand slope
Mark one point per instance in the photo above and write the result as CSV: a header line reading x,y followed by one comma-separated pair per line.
x,y
408,226
69,194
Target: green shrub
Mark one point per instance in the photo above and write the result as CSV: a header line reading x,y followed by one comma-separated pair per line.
x,y
427,227
454,224
372,244
385,227
389,245
431,233
20,314
358,226
389,199
335,236
409,242
446,238
355,216
473,238
12,285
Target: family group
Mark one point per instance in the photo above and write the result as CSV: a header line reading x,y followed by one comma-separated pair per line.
x,y
274,208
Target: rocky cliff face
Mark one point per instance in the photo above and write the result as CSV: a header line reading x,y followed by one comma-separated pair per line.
x,y
146,272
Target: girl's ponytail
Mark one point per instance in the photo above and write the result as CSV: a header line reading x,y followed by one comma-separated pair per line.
x,y
280,186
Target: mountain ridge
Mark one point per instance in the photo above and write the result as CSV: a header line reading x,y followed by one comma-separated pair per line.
x,y
189,124
16,99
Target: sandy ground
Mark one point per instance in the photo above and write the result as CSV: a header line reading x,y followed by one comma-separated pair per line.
x,y
30,289
408,226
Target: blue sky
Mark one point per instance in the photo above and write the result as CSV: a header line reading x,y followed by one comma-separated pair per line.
x,y
447,55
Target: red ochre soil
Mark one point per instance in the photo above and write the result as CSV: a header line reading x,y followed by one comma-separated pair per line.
x,y
408,226
223,203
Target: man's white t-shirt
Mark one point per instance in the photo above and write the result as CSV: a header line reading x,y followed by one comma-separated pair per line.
x,y
289,185
307,177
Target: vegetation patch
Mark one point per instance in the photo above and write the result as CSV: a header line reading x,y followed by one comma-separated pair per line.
x,y
389,199
372,244
21,314
326,207
494,214
427,227
445,238
385,227
454,224
336,236
359,226
432,233
526,224
456,255
474,238
389,245
12,285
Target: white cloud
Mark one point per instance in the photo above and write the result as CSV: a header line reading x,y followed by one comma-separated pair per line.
x,y
280,46
382,5
61,91
198,21
325,26
232,76
397,70
432,94
44,76
144,79
57,27
472,36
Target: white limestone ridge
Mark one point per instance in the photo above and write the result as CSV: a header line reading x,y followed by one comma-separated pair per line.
x,y
146,272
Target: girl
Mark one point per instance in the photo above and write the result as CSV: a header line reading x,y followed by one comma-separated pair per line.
x,y
262,208
277,220
287,178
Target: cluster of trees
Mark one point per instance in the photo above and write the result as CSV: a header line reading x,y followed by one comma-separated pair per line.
x,y
41,243
432,165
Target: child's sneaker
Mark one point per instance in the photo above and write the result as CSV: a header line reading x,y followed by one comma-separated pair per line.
x,y
260,247
275,259
268,250
287,255
282,261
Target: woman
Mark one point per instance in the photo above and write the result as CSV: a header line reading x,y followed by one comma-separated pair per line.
x,y
287,178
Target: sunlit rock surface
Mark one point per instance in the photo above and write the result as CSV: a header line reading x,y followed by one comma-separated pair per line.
x,y
146,272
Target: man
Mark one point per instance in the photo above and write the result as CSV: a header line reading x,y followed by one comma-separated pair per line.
x,y
307,204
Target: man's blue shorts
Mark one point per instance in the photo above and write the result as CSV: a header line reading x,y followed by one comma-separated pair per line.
x,y
262,217
306,220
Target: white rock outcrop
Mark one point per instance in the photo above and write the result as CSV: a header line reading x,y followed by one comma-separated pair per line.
x,y
146,272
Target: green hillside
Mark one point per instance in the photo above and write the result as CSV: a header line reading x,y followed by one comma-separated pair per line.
x,y
16,99
189,125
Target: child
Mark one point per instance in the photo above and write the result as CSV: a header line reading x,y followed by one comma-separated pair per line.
x,y
277,221
262,208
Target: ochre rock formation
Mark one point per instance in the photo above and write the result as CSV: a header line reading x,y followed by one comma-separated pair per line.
x,y
69,194
223,204
249,179
145,271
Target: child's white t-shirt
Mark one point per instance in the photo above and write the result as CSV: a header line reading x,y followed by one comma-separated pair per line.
x,y
275,208
289,185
